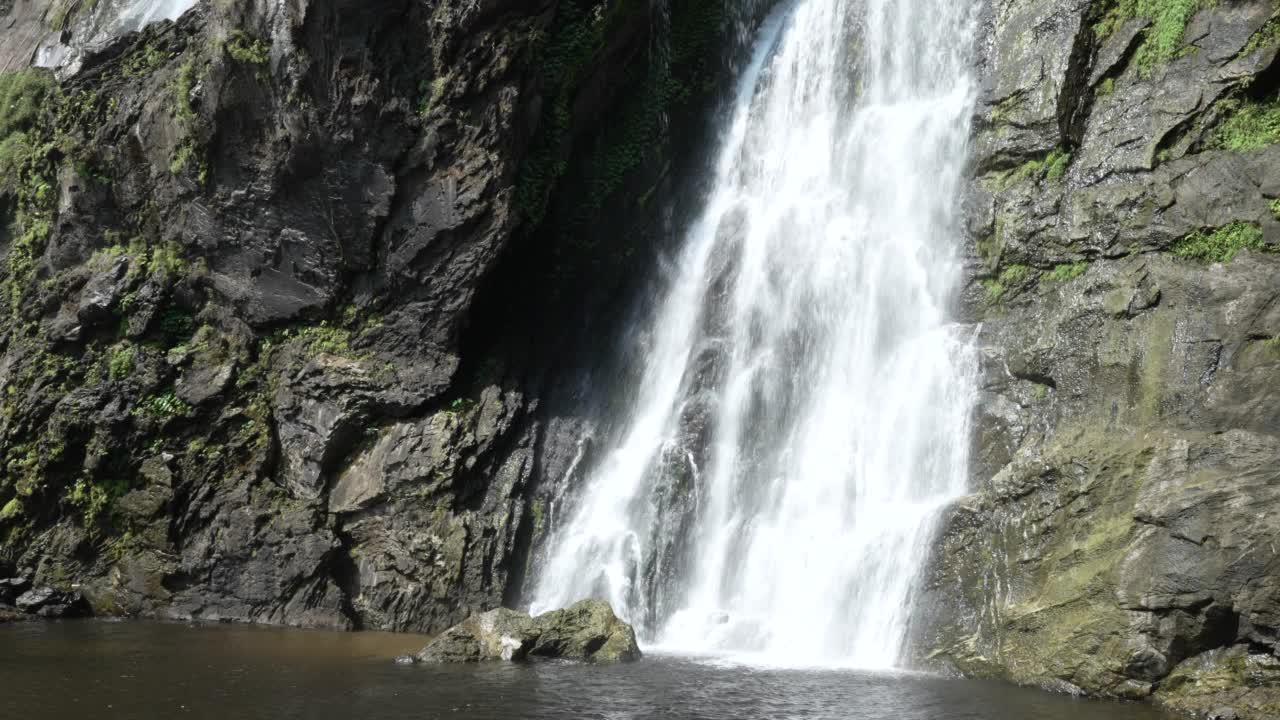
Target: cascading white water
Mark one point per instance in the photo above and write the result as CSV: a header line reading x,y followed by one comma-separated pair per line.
x,y
803,412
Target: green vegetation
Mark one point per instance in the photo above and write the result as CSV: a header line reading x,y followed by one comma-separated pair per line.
x,y
188,151
1010,278
23,97
460,405
1051,167
1056,164
120,362
567,57
539,516
162,407
325,338
1106,87
1067,271
1272,345
26,170
143,62
94,499
1267,36
1275,208
1221,244
431,93
1248,125
182,85
1163,39
247,49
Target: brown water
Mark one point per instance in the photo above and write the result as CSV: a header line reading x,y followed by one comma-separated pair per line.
x,y
90,670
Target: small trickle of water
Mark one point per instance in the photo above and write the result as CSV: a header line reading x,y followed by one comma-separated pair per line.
x,y
93,25
803,413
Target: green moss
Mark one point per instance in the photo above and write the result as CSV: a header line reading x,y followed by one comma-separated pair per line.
x,y
1056,164
162,407
431,93
28,108
1005,108
539,516
183,82
1275,208
181,158
23,97
1009,279
325,338
460,405
1106,87
989,247
1156,357
1067,271
11,510
1051,167
1266,37
94,498
1162,41
567,57
247,49
143,61
1272,345
995,290
1220,244
120,362
1014,274
1248,125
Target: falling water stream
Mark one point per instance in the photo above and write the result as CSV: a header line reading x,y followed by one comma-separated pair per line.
x,y
802,413
95,24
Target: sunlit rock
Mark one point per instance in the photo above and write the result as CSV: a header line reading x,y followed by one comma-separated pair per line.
x,y
587,630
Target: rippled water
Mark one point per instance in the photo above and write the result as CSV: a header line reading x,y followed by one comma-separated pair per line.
x,y
146,670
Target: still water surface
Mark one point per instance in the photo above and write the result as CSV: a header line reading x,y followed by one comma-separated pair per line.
x,y
60,671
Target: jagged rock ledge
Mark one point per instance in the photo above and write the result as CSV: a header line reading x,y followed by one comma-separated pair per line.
x,y
588,630
20,601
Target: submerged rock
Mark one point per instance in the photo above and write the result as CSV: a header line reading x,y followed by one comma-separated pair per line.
x,y
588,630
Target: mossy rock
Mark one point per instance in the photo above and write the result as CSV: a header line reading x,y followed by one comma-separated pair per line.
x,y
588,631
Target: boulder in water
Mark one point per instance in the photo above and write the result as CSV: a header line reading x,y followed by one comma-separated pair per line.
x,y
588,630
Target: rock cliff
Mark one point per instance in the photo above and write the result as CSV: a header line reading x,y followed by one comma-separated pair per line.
x,y
284,284
1124,223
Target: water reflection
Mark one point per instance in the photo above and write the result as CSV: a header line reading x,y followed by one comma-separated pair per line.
x,y
148,670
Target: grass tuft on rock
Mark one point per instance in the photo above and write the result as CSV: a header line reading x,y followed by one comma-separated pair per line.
x,y
1248,125
1163,39
1067,271
1221,244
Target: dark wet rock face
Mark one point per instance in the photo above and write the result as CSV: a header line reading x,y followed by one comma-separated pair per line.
x,y
20,601
1124,225
587,630
284,287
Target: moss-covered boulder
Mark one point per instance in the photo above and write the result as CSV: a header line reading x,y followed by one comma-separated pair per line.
x,y
588,630
1230,683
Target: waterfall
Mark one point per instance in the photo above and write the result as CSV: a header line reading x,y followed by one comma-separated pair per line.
x,y
95,24
803,410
